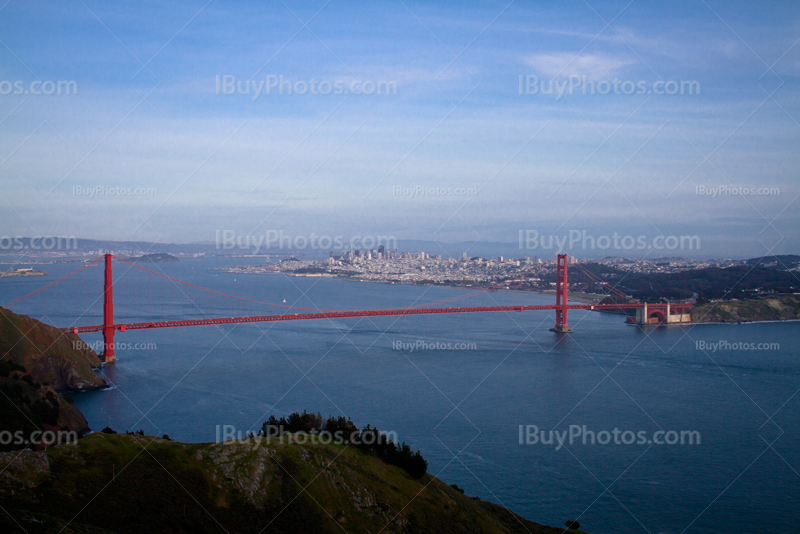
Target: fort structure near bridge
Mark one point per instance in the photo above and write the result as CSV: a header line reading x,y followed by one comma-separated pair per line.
x,y
663,313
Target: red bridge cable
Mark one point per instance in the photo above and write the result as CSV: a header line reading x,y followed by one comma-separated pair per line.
x,y
52,283
489,287
451,299
611,289
599,280
281,305
520,276
218,292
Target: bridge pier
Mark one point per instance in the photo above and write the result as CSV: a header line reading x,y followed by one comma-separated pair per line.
x,y
641,315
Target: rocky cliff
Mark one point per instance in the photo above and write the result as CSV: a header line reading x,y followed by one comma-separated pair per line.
x,y
49,355
29,408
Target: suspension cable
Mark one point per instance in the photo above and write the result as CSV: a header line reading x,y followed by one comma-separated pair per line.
x,y
53,283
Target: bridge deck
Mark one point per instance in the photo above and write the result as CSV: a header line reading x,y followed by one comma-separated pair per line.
x,y
346,314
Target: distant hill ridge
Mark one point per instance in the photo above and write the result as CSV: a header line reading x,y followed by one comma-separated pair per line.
x,y
159,257
784,262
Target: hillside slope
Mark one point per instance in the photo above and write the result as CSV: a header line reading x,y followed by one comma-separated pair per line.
x,y
781,308
48,354
136,483
28,406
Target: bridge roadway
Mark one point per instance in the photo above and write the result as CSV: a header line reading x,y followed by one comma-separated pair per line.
x,y
346,314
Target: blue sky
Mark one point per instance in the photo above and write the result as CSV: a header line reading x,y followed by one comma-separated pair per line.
x,y
485,160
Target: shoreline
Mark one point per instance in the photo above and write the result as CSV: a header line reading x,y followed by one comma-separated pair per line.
x,y
739,323
17,274
583,298
764,321
386,282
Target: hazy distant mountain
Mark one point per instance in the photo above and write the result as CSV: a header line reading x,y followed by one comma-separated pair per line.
x,y
788,262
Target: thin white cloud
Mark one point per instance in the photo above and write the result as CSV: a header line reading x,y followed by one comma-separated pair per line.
x,y
564,64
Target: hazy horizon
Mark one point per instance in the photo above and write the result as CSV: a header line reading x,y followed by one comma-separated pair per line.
x,y
461,144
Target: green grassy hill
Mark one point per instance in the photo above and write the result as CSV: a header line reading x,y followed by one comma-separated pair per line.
x,y
135,483
781,308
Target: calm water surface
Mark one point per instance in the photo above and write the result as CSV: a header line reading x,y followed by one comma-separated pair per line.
x,y
463,408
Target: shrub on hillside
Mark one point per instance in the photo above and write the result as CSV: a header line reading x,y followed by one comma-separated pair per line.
x,y
369,440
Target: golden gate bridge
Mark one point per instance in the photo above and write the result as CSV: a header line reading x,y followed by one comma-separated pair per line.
x,y
646,313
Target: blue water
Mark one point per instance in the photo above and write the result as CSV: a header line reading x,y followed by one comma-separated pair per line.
x,y
463,408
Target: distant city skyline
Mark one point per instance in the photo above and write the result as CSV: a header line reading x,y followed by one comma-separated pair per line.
x,y
17,249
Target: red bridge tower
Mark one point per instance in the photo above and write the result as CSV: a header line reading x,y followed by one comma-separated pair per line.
x,y
561,296
108,314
